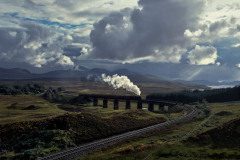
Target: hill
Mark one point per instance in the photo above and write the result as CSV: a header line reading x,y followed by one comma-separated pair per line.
x,y
15,73
83,74
38,138
224,136
87,80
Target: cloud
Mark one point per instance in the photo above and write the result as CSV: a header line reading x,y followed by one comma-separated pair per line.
x,y
217,26
236,45
39,60
65,61
218,21
155,30
82,13
218,64
34,32
212,32
50,34
203,55
238,65
33,44
210,73
171,54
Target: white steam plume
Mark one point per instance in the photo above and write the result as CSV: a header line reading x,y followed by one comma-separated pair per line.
x,y
124,82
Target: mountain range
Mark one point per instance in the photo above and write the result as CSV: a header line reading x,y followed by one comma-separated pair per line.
x,y
82,73
85,74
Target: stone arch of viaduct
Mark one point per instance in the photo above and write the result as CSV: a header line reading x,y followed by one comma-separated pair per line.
x,y
127,99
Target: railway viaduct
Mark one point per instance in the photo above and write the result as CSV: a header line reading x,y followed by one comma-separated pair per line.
x,y
190,113
127,99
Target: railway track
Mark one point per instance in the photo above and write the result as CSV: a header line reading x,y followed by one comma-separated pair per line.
x,y
191,113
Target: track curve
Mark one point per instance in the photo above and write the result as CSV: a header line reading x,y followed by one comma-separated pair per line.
x,y
191,113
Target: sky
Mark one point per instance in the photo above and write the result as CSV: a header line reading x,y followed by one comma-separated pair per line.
x,y
174,39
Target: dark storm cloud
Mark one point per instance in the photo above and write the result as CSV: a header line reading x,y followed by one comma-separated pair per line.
x,y
217,26
72,51
33,44
87,13
149,31
7,40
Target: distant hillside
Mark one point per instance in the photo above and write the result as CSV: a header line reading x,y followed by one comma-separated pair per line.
x,y
214,84
84,74
210,95
81,74
15,73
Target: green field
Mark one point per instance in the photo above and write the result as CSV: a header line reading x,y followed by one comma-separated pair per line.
x,y
29,108
25,108
45,127
31,126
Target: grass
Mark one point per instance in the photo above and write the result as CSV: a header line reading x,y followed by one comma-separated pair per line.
x,y
171,144
25,108
216,119
31,126
38,138
177,151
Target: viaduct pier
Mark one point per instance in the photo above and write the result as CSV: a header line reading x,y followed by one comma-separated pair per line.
x,y
95,98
